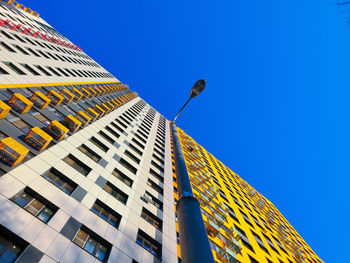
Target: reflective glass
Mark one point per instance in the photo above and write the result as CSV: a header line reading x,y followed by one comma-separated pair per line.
x,y
23,199
90,245
45,215
101,252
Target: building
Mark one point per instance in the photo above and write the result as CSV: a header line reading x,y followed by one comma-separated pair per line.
x,y
242,225
86,170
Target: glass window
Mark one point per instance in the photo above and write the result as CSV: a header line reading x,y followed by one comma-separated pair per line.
x,y
77,165
36,205
91,244
148,243
122,177
21,125
90,153
59,180
152,219
114,191
106,213
11,246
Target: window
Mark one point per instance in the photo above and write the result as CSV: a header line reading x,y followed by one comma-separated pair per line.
x,y
112,131
155,186
128,166
244,238
30,69
99,144
11,246
270,243
106,213
106,137
117,127
122,177
19,123
152,219
14,68
3,72
7,47
114,191
35,204
157,175
42,70
150,198
161,169
77,165
253,260
148,243
33,52
138,143
260,243
92,243
60,180
135,149
90,153
132,156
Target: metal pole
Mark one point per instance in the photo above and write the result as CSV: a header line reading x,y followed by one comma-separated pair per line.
x,y
194,243
181,109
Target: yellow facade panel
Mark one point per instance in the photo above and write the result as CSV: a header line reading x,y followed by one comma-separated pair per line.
x,y
20,103
12,152
40,100
57,130
56,98
4,109
37,138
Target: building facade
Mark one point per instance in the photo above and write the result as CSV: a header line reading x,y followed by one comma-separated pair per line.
x,y
86,171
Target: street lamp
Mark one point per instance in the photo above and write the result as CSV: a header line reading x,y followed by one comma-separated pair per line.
x,y
194,243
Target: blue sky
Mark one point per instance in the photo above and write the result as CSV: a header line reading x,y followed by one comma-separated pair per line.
x,y
276,107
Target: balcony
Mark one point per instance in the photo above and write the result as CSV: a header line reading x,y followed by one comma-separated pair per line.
x,y
68,96
71,123
38,139
57,130
99,110
85,93
115,103
230,239
77,94
213,229
12,152
4,109
92,114
105,108
92,91
56,98
83,118
20,103
98,90
110,105
226,255
40,100
104,90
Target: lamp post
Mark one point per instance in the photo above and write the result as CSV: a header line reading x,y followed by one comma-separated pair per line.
x,y
194,243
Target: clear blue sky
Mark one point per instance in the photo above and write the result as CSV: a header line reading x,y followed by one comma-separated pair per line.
x,y
276,107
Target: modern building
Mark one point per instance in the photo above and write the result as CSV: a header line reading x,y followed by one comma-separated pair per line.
x,y
86,171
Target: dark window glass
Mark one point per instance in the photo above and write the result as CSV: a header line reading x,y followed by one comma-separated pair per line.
x,y
77,165
60,180
92,243
35,204
90,153
148,243
106,213
122,177
114,191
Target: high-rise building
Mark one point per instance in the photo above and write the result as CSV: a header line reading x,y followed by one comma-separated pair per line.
x,y
86,170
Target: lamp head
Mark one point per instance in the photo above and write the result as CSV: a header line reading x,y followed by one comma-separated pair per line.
x,y
197,88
